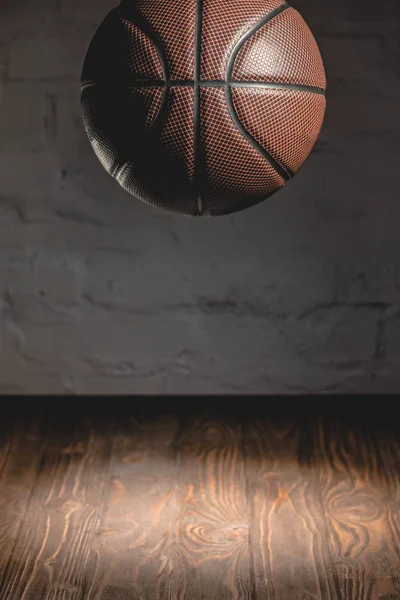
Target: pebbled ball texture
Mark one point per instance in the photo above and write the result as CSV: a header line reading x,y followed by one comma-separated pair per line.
x,y
203,107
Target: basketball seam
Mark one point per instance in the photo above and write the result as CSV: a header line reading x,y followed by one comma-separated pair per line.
x,y
145,83
146,28
139,21
198,164
283,171
164,68
269,17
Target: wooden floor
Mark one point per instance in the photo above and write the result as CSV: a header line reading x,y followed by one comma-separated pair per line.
x,y
276,500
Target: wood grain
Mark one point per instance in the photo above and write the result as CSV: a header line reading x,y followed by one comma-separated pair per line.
x,y
199,504
356,477
287,557
213,525
21,447
52,556
324,513
136,549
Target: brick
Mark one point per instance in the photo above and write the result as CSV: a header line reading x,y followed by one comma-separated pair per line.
x,y
63,383
392,341
349,12
101,293
354,57
29,176
316,349
363,90
70,127
25,17
38,294
26,118
245,355
3,62
147,343
45,57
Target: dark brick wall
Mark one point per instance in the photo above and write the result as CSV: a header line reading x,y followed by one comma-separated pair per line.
x,y
99,293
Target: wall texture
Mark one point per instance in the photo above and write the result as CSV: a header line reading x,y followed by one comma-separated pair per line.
x,y
99,293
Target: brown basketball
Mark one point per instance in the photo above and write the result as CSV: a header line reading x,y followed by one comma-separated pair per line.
x,y
203,107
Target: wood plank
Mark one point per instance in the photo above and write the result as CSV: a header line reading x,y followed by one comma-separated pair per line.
x,y
191,504
52,557
176,524
135,546
213,526
287,562
21,446
355,468
324,522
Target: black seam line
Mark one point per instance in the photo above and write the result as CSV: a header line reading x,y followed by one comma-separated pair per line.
x,y
196,116
235,84
256,27
162,111
145,83
277,85
139,21
284,172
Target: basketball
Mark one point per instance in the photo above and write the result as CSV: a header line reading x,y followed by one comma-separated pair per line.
x,y
203,107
